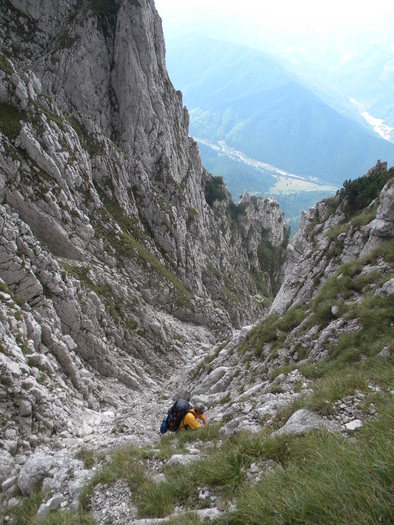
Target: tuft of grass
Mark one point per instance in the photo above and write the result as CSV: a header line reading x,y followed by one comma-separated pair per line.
x,y
157,500
87,456
124,463
24,514
273,329
204,434
5,65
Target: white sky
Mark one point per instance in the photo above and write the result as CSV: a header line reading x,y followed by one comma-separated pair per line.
x,y
262,22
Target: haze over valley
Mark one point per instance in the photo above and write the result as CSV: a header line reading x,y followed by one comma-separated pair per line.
x,y
292,114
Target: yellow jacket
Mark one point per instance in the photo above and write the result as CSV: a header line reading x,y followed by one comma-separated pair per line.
x,y
190,421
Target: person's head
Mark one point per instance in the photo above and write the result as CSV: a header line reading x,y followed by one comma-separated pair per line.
x,y
199,407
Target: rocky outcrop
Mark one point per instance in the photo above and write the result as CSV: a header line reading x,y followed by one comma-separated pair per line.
x,y
325,240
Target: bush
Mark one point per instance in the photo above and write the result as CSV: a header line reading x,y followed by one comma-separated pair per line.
x,y
10,120
214,190
360,192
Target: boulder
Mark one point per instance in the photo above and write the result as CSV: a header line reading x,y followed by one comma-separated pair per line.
x,y
33,472
182,460
303,421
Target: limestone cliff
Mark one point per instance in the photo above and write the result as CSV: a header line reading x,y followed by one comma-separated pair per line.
x,y
113,264
326,240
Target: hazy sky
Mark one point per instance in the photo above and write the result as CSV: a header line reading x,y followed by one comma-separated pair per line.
x,y
262,23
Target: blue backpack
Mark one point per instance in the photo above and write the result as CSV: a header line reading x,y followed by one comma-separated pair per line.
x,y
174,416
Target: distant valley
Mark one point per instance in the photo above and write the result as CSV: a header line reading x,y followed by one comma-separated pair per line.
x,y
265,130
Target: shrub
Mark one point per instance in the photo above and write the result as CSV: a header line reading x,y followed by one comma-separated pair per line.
x,y
10,120
214,190
360,192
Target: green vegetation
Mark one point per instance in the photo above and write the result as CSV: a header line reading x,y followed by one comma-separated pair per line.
x,y
87,456
129,244
360,192
66,518
346,283
25,513
237,177
191,215
240,177
10,120
5,65
318,477
323,478
152,499
93,147
214,190
352,364
103,290
272,257
274,330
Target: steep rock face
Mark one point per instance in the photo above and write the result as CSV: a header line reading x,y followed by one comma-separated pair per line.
x,y
262,216
158,174
111,259
324,241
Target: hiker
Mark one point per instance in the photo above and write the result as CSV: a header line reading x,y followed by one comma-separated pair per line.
x,y
183,416
189,422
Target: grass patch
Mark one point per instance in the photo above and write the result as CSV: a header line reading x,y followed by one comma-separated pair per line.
x,y
5,65
353,363
206,434
153,499
347,282
273,329
25,513
124,463
87,456
319,478
328,480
